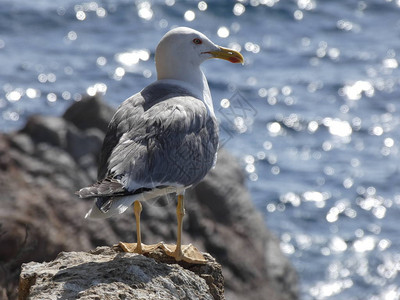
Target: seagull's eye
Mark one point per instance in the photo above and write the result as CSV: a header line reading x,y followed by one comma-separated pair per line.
x,y
197,41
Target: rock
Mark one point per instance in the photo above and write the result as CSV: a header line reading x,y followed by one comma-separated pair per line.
x,y
77,139
81,143
107,273
90,112
280,270
40,215
51,130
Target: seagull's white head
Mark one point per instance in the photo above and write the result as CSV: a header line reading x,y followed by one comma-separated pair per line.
x,y
182,50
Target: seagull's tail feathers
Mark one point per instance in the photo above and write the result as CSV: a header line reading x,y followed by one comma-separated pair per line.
x,y
111,198
106,207
105,188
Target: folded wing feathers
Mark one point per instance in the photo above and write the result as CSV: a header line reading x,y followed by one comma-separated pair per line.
x,y
105,188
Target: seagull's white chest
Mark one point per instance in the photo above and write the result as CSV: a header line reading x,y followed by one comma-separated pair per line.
x,y
207,99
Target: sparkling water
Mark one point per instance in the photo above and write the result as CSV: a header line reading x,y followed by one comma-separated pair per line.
x,y
313,114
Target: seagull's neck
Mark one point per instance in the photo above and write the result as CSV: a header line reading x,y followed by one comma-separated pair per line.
x,y
194,78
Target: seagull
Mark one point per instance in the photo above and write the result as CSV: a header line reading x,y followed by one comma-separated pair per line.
x,y
161,140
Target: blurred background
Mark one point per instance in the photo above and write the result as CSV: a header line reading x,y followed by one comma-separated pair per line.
x,y
313,115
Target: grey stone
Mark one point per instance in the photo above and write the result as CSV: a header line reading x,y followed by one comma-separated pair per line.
x,y
81,143
23,142
50,130
90,112
106,273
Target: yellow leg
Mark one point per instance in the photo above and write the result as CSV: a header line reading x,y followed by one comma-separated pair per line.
x,y
137,247
180,213
187,253
137,209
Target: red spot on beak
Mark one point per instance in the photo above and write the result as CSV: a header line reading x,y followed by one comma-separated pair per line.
x,y
234,60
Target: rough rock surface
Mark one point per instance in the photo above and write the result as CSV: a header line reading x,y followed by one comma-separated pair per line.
x,y
107,273
42,166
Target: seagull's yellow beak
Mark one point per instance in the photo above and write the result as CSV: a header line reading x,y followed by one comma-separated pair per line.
x,y
227,54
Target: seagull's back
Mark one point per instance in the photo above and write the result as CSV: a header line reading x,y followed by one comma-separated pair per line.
x,y
162,136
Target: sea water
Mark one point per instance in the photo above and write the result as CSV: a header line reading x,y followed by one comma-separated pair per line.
x,y
313,115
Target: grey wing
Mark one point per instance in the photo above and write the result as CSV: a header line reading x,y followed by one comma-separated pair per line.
x,y
122,122
186,149
173,142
